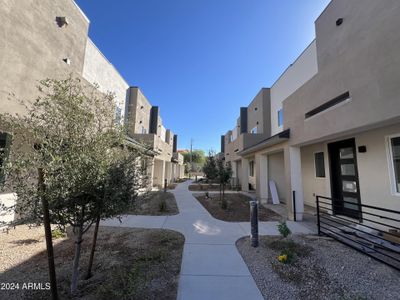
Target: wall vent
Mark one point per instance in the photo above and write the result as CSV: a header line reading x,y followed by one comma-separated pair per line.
x,y
62,21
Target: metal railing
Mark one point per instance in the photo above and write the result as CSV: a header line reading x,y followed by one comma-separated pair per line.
x,y
369,229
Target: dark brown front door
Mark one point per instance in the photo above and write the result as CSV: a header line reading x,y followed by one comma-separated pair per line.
x,y
344,178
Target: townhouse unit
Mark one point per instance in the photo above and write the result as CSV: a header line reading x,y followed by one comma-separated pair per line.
x,y
49,39
333,117
145,125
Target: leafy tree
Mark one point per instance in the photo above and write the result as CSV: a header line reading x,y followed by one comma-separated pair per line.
x,y
224,175
194,160
69,147
118,189
210,169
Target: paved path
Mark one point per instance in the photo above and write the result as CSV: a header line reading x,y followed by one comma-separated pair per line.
x,y
212,268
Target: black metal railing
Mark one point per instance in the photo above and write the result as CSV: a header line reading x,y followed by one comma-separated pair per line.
x,y
370,229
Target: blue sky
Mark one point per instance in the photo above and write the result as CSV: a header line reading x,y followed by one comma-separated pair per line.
x,y
200,60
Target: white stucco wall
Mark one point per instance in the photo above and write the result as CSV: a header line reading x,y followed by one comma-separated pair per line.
x,y
302,70
97,69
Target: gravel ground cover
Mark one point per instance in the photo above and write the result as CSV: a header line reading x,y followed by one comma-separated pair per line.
x,y
238,208
321,269
129,264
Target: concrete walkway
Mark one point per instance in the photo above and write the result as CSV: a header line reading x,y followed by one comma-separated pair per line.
x,y
212,267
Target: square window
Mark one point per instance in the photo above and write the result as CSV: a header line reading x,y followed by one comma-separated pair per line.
x,y
394,144
319,165
280,117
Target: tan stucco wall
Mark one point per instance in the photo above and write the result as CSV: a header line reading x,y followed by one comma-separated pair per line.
x,y
360,56
33,46
373,169
138,112
312,185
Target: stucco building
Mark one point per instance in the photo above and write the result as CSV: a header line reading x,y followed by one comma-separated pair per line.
x,y
334,117
49,39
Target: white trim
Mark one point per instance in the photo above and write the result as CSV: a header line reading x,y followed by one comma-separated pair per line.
x,y
81,11
392,175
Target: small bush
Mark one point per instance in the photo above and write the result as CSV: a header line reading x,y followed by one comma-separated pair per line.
x,y
286,256
284,229
162,205
58,233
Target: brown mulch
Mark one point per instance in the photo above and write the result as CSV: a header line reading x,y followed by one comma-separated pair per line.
x,y
155,204
238,208
129,264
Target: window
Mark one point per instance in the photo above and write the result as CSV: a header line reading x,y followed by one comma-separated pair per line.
x,y
331,103
254,130
251,168
319,165
394,150
280,117
144,131
5,140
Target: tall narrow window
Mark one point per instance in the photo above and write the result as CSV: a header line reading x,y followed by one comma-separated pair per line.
x,y
251,168
280,117
394,144
319,165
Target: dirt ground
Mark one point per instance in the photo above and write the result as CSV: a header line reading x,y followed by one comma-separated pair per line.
x,y
155,204
206,187
321,268
238,208
129,264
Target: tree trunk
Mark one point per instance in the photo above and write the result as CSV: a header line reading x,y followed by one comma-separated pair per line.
x,y
224,204
96,230
75,268
49,240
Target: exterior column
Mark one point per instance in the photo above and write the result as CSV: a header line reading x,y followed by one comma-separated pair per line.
x,y
262,178
234,173
159,172
245,174
168,171
294,182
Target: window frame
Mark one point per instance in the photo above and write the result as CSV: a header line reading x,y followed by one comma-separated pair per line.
x,y
254,129
315,165
392,174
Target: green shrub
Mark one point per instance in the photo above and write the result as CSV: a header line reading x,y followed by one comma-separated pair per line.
x,y
58,233
284,229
